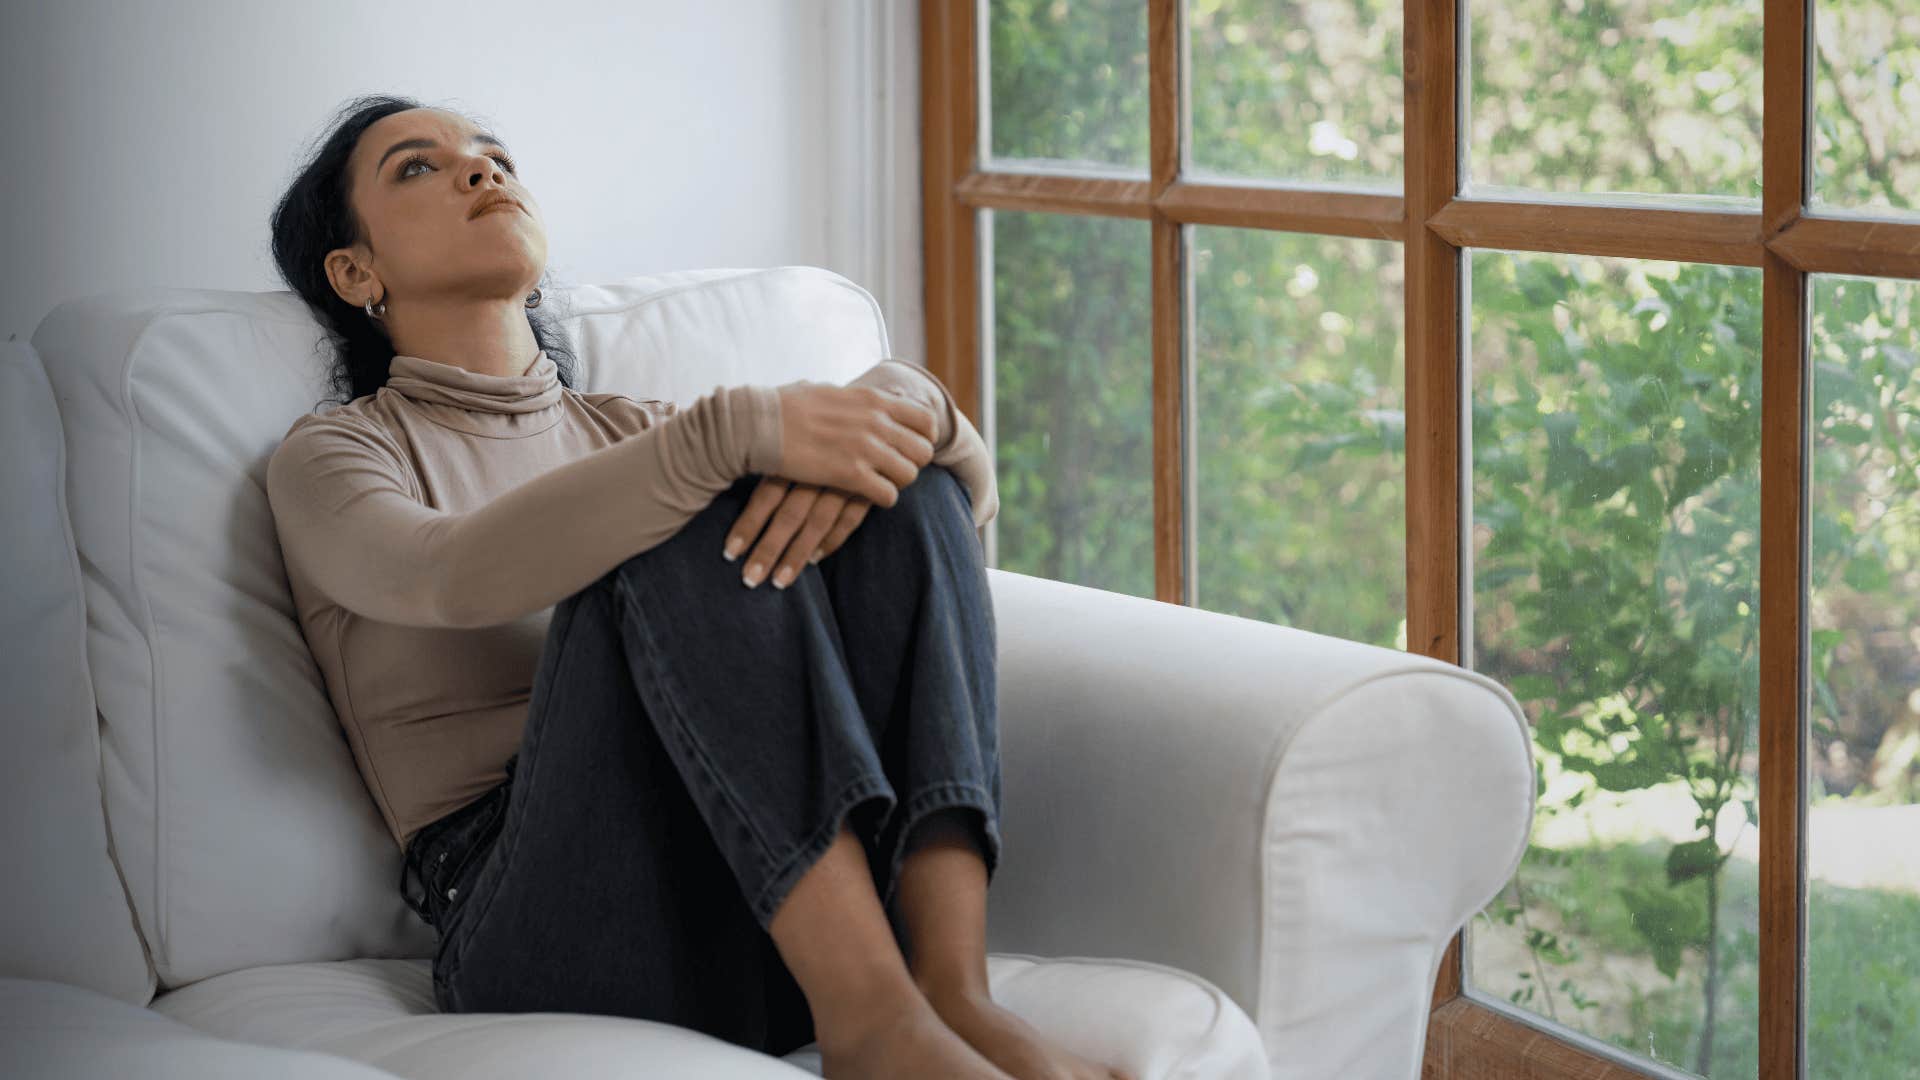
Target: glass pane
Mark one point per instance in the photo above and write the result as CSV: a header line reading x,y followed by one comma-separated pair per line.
x,y
1866,146
1073,397
1299,90
1300,431
1616,557
1863,824
1067,81
1637,96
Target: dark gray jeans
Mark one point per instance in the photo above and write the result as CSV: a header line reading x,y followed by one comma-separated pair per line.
x,y
691,748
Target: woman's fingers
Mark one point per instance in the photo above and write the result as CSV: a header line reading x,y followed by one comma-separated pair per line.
x,y
911,444
767,495
819,519
913,415
894,465
851,515
786,521
870,483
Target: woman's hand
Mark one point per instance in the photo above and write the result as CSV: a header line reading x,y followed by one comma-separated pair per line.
x,y
859,439
804,523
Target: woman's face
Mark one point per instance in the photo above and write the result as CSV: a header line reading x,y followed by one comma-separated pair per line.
x,y
414,179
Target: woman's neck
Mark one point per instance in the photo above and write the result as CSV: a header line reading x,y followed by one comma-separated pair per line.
x,y
487,336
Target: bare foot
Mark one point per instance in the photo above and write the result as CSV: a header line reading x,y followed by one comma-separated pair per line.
x,y
1012,1043
908,1042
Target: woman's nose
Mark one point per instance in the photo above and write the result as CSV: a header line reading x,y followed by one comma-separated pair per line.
x,y
482,168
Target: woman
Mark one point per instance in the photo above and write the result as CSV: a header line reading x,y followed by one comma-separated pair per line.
x,y
629,780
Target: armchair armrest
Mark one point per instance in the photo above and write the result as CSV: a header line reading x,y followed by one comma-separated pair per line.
x,y
1302,820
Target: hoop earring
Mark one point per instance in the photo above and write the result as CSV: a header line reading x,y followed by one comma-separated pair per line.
x,y
378,316
533,299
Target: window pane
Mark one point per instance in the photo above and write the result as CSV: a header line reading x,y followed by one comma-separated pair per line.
x,y
1300,432
1300,90
1863,842
1615,547
1072,397
1866,146
1639,96
1067,81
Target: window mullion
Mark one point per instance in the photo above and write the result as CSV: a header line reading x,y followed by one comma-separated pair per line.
x,y
1433,361
1785,161
1170,527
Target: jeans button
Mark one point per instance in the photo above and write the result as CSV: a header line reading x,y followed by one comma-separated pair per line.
x,y
453,892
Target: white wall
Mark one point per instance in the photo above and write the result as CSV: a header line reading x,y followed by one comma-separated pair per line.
x,y
145,142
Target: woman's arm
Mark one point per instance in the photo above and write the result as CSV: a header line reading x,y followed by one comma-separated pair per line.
x,y
347,519
956,443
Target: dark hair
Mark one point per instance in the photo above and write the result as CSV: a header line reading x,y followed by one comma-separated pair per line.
x,y
315,216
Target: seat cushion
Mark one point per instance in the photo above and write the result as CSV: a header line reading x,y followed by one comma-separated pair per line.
x,y
57,1031
245,834
63,913
1154,1021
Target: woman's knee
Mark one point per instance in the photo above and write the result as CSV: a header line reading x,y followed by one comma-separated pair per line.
x,y
708,526
700,538
934,493
935,489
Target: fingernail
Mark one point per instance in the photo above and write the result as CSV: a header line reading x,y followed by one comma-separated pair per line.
x,y
818,554
752,576
733,549
784,578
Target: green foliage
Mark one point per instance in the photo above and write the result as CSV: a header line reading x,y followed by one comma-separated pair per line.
x,y
1068,81
1668,921
1863,973
1300,430
1305,91
1866,71
1616,96
1073,375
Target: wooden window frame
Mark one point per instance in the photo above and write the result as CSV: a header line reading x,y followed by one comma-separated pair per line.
x,y
1434,222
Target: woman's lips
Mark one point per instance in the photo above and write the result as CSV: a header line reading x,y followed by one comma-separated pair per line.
x,y
496,207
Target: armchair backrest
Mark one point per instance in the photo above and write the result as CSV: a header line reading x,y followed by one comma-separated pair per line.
x,y
63,913
242,830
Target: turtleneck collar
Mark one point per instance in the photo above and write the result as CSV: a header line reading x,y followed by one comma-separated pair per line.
x,y
501,406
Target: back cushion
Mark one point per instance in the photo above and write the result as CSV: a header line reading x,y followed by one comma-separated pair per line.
x,y
63,912
244,831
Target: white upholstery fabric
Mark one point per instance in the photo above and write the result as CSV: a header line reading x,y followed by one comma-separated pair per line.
x,y
55,1031
1300,819
63,911
245,833
1158,1023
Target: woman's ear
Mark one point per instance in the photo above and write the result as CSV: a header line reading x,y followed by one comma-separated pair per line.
x,y
351,281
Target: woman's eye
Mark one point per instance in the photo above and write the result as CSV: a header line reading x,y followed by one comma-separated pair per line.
x,y
505,163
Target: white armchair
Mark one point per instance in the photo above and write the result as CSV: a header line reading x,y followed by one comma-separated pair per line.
x,y
1231,849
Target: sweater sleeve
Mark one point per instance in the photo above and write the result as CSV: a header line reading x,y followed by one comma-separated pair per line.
x,y
957,443
348,520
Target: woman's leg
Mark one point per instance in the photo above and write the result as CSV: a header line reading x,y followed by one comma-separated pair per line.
x,y
694,754
604,891
911,601
915,613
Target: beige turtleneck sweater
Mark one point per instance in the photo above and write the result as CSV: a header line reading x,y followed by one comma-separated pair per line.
x,y
429,528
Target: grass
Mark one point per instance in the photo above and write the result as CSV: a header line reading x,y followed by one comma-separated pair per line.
x,y
1863,980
